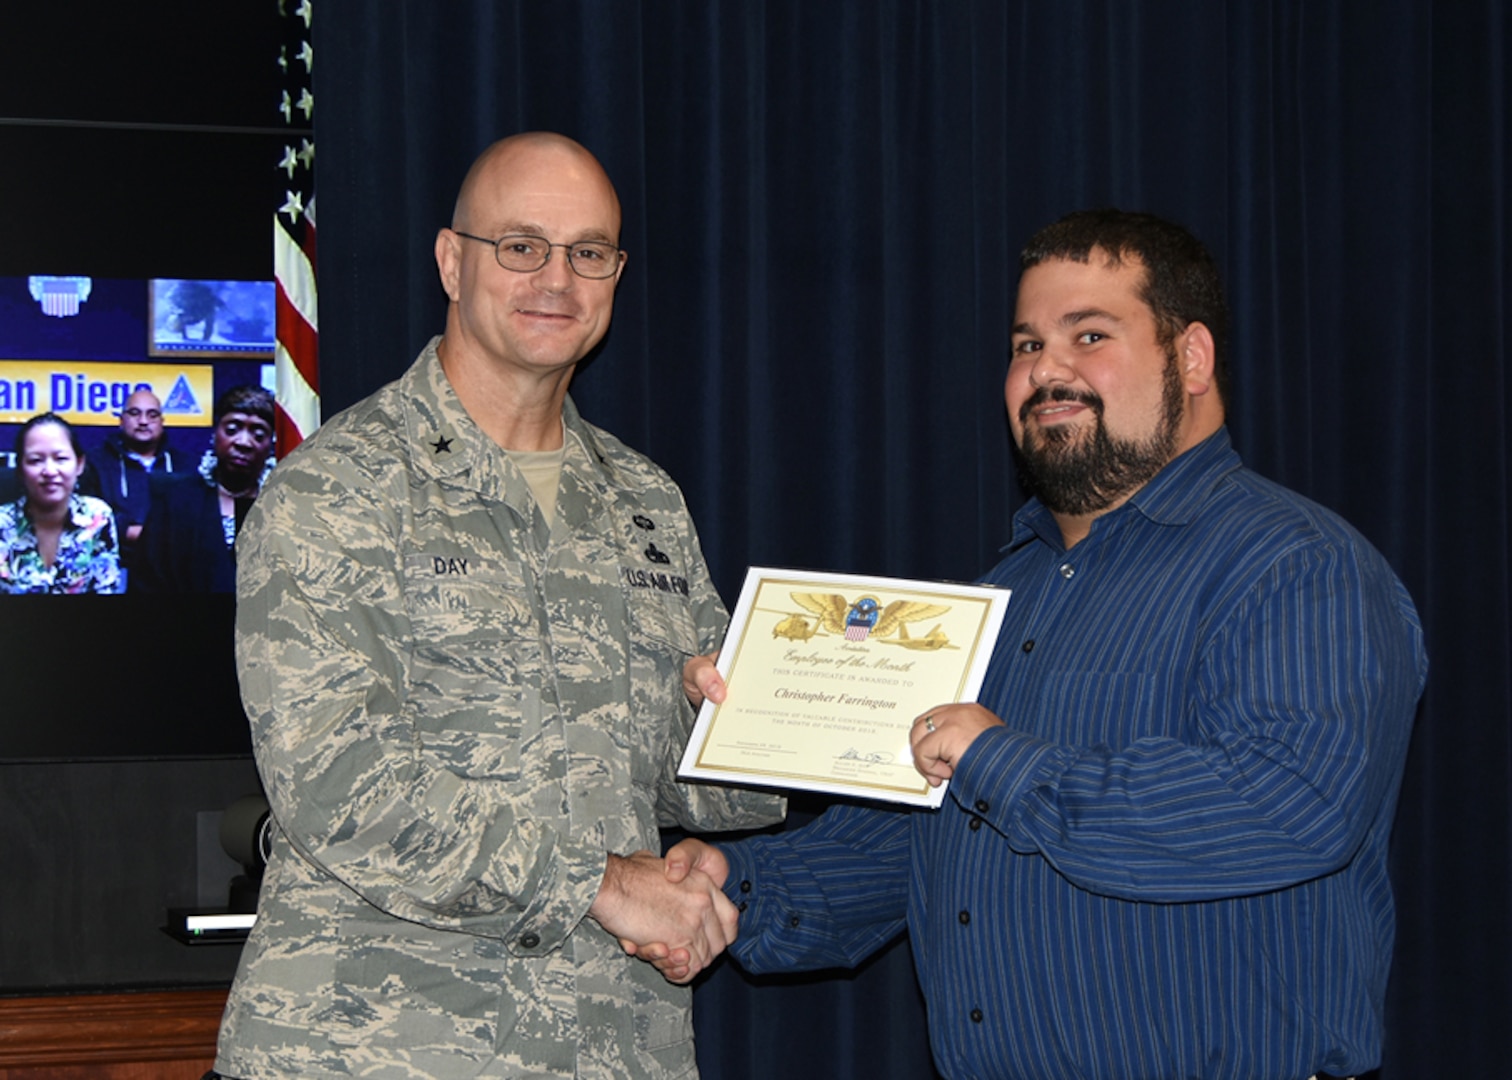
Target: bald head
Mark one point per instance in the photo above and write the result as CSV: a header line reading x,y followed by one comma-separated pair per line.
x,y
142,422
532,160
526,329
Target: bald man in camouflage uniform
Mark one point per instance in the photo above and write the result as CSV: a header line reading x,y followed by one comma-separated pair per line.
x,y
463,615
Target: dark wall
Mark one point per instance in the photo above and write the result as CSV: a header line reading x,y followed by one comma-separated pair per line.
x,y
136,143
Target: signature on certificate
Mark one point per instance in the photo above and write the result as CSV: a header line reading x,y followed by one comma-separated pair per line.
x,y
870,757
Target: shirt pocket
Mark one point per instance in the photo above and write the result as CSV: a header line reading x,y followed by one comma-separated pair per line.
x,y
1095,708
473,653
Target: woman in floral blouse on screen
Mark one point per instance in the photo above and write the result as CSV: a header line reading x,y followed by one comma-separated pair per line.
x,y
52,540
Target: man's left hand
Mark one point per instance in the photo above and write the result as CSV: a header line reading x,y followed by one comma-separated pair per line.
x,y
940,736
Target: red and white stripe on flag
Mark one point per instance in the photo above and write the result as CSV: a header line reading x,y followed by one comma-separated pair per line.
x,y
296,357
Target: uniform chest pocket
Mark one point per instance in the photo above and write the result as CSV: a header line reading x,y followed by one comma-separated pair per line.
x,y
473,654
660,637
661,622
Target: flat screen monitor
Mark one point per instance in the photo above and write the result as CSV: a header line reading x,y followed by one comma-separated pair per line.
x,y
136,671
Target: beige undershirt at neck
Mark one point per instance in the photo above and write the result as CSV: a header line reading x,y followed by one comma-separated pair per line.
x,y
543,472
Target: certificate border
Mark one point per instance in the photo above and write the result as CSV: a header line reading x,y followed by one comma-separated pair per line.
x,y
993,602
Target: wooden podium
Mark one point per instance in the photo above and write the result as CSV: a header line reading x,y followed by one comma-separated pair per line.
x,y
156,1035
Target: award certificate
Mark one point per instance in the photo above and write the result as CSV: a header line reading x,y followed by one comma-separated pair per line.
x,y
826,673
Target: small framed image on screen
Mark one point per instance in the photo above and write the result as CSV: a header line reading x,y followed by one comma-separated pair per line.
x,y
211,318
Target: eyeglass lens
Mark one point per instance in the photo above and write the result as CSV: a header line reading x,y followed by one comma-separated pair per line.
x,y
525,254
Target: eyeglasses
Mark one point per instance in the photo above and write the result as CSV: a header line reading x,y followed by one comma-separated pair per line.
x,y
527,254
151,414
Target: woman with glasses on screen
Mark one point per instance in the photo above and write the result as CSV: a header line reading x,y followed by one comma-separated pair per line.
x,y
53,540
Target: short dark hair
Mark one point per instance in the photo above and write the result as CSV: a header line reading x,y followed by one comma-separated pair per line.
x,y
1181,283
249,399
38,421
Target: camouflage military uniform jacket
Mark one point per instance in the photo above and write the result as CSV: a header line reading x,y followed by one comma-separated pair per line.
x,y
457,711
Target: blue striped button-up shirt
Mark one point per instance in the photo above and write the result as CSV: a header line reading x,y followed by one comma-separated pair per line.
x,y
1171,860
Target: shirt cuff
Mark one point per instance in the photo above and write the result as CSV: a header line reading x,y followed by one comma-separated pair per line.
x,y
997,771
740,882
562,899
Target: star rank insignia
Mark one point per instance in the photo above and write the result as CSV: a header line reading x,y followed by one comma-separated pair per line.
x,y
442,445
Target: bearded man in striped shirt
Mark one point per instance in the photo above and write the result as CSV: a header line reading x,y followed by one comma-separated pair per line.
x,y
1163,849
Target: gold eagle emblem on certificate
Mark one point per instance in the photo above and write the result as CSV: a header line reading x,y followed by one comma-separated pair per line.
x,y
864,618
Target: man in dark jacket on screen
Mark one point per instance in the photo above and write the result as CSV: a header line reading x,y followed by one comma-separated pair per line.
x,y
129,457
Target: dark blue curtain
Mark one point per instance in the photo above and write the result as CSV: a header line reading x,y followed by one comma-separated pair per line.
x,y
823,202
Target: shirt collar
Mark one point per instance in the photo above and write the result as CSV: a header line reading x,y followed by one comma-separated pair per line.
x,y
1174,497
80,516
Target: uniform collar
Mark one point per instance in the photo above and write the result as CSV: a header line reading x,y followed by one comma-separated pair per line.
x,y
444,441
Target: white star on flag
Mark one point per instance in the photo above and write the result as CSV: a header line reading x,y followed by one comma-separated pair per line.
x,y
296,351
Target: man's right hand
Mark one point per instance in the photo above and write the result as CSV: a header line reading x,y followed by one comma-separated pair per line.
x,y
702,680
685,917
689,859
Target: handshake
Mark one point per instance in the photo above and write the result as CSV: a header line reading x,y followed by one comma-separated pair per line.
x,y
670,912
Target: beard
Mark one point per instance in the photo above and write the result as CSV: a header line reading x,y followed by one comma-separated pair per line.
x,y
1078,472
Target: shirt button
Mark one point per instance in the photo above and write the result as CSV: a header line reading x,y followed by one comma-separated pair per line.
x,y
976,1016
1067,571
981,806
794,921
965,918
1028,646
743,906
745,886
976,823
529,939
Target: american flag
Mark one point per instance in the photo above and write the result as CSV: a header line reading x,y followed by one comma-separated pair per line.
x,y
296,357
